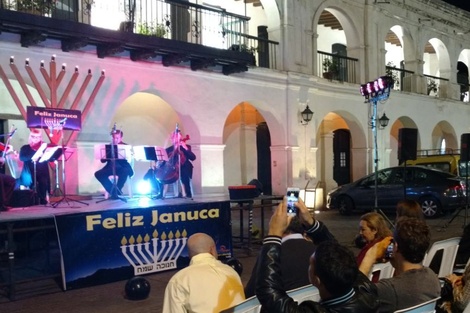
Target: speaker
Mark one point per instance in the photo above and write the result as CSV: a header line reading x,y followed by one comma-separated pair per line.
x,y
407,144
464,147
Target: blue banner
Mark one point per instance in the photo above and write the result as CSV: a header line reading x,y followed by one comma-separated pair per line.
x,y
105,246
40,117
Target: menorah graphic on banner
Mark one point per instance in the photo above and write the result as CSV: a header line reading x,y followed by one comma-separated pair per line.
x,y
154,255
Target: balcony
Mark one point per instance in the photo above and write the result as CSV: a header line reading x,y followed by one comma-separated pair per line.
x,y
172,32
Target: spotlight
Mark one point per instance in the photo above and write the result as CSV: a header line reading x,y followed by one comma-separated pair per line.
x,y
144,187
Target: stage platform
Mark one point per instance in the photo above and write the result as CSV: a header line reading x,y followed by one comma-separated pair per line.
x,y
91,242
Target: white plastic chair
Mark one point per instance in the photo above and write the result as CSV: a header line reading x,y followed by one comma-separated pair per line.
x,y
304,293
449,247
467,309
250,305
425,307
385,270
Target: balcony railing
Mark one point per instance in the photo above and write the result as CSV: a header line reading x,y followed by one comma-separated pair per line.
x,y
401,77
336,67
171,19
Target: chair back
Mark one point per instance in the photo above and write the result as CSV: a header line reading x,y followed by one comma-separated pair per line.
x,y
250,305
385,270
304,293
467,308
449,249
425,307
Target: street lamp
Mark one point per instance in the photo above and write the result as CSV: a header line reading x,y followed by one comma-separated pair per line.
x,y
373,92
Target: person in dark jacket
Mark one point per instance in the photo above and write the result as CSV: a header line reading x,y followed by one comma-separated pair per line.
x,y
333,270
296,252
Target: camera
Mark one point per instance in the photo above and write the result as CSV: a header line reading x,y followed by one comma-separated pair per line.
x,y
292,198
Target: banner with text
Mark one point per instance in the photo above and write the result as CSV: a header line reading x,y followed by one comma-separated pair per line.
x,y
105,246
40,117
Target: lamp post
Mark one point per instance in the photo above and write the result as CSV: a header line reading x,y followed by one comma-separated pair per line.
x,y
373,92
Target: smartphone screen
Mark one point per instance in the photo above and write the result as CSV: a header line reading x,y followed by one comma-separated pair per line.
x,y
292,197
389,251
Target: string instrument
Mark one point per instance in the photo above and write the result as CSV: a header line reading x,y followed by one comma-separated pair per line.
x,y
4,148
168,172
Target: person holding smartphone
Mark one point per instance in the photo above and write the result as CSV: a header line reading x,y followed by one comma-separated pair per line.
x,y
333,270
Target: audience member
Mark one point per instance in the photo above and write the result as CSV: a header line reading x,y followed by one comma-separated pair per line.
x,y
333,270
460,292
463,253
206,285
413,283
409,208
295,254
374,229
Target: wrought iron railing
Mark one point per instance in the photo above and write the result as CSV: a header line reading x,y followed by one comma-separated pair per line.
x,y
171,19
433,83
401,77
336,67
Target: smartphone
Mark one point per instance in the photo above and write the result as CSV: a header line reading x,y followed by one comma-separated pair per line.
x,y
292,197
389,251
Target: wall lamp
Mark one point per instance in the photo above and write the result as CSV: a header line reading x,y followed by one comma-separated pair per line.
x,y
307,115
383,121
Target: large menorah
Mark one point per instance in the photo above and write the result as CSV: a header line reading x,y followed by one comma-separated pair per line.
x,y
156,254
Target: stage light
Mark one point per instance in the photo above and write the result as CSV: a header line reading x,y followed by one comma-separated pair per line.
x,y
144,187
370,88
373,92
363,90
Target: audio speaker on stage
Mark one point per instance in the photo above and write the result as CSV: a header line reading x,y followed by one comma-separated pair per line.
x,y
407,144
464,147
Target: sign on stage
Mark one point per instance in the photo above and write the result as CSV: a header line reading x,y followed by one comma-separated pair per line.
x,y
105,246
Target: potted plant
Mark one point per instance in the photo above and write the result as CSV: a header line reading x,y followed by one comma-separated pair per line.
x,y
149,29
330,68
38,7
432,86
391,72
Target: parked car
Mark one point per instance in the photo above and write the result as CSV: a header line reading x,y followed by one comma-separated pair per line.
x,y
436,191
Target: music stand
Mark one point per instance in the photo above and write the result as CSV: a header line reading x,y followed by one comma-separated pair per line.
x,y
112,152
152,154
53,153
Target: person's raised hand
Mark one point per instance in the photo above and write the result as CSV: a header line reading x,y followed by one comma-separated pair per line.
x,y
279,220
304,214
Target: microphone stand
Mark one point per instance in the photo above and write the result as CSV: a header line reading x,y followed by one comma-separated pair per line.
x,y
114,194
180,181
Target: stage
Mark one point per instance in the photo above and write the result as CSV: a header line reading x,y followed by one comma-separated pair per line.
x,y
94,242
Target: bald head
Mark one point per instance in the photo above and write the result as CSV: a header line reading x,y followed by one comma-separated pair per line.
x,y
201,243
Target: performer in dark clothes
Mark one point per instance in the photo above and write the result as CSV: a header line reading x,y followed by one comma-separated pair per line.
x,y
180,153
123,169
43,179
7,182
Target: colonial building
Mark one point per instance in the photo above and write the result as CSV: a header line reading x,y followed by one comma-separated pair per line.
x,y
235,76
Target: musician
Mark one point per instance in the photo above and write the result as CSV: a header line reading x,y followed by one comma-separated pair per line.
x,y
7,182
185,156
123,169
43,179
